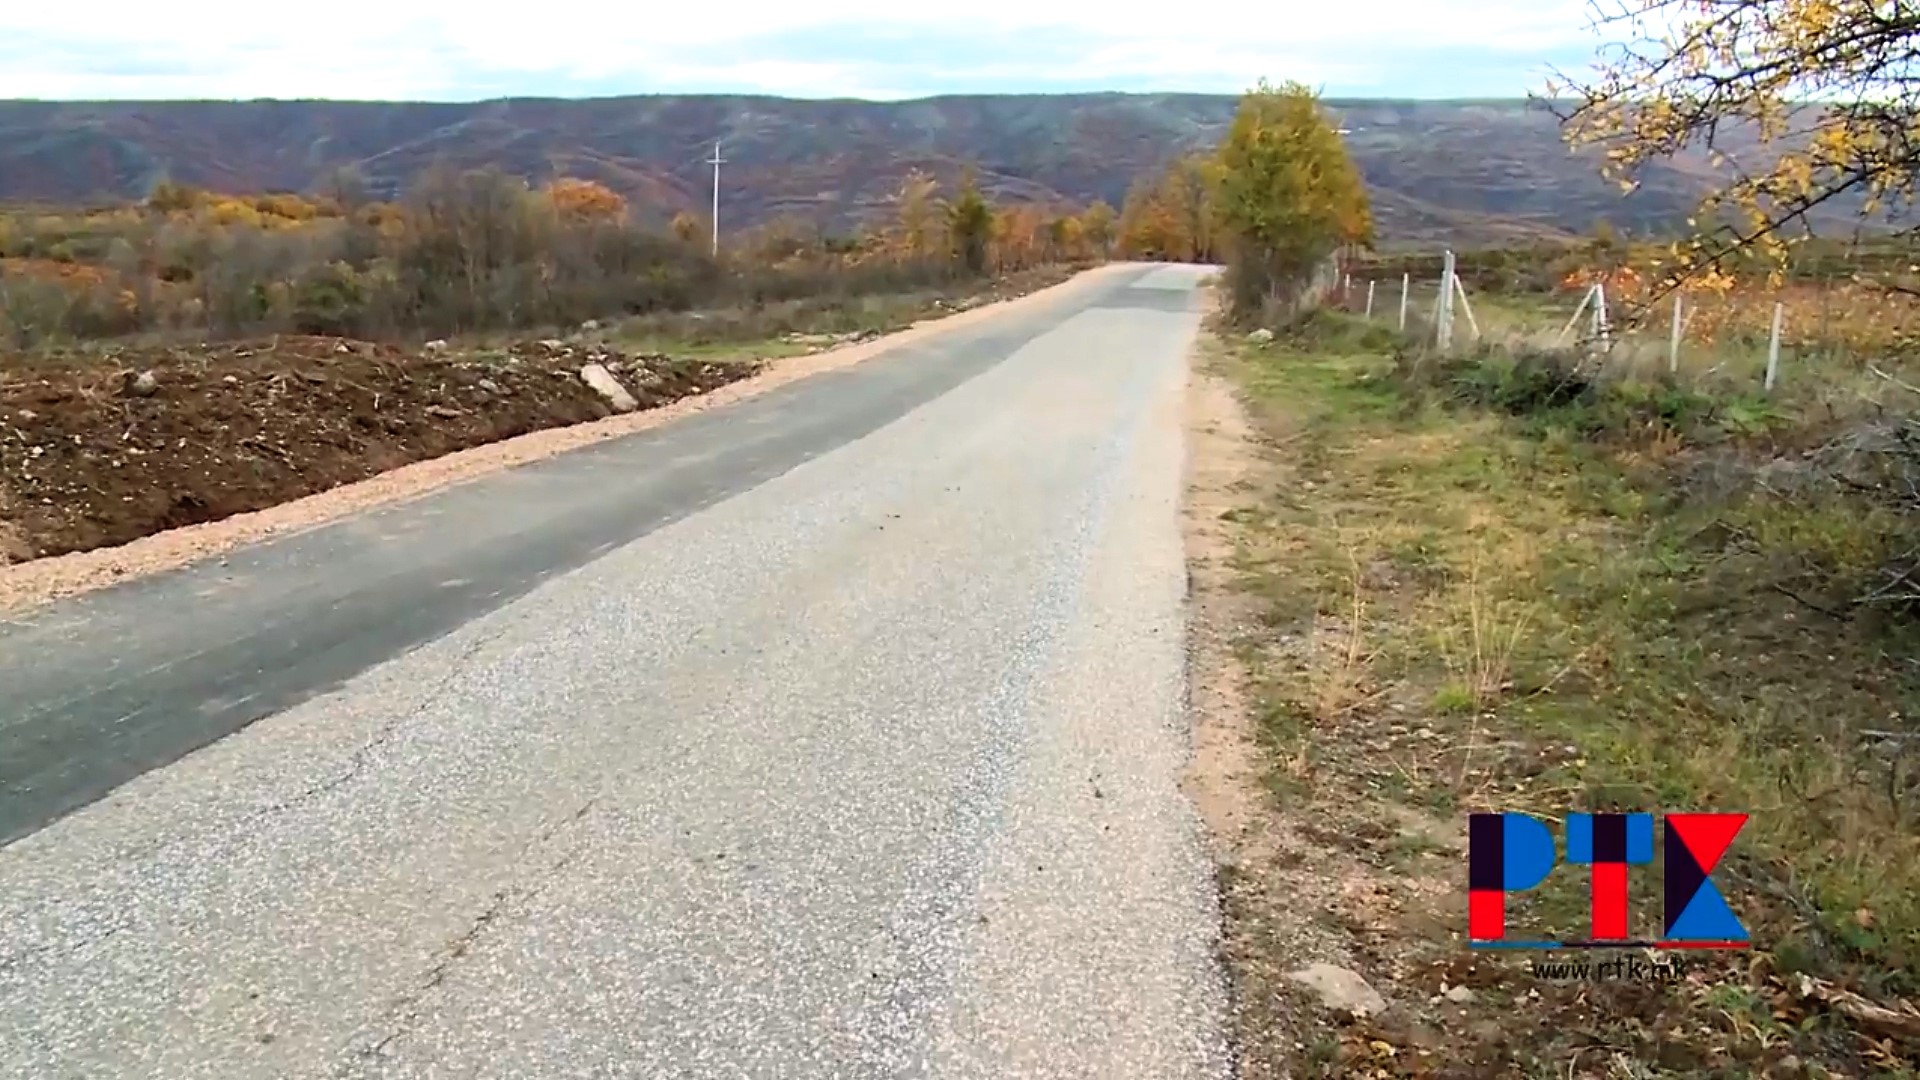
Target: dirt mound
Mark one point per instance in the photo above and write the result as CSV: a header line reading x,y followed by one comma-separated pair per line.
x,y
100,449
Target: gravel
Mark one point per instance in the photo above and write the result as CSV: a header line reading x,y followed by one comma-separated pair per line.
x,y
870,771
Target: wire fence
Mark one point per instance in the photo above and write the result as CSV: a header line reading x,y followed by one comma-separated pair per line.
x,y
1752,340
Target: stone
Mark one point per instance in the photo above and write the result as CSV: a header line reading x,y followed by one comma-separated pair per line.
x,y
342,348
590,326
489,386
1261,336
436,345
445,412
145,384
1341,990
608,387
1460,995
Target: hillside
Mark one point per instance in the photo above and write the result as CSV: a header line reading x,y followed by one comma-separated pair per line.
x,y
1460,170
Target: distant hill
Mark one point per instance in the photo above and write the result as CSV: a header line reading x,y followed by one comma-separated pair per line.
x,y
1465,171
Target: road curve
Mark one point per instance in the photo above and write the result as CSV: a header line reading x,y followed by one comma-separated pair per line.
x,y
836,733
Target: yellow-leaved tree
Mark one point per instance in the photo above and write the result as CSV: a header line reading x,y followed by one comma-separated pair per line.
x,y
1797,104
1149,226
918,205
1096,227
1287,196
1173,216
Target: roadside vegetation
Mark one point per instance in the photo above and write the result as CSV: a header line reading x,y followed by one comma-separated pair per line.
x,y
1486,587
1545,574
468,252
202,355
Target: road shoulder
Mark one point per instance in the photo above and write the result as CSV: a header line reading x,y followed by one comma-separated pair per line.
x,y
1291,889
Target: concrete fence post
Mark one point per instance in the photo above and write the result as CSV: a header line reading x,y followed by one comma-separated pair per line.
x,y
1773,348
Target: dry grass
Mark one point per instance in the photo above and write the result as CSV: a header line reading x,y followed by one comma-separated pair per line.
x,y
1341,679
1481,649
1468,609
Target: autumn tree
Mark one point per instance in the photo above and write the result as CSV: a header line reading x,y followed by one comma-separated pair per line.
x,y
1172,216
286,206
689,228
168,197
918,208
584,200
1800,104
466,235
1096,225
1188,191
1288,195
1018,238
1066,237
970,225
1149,228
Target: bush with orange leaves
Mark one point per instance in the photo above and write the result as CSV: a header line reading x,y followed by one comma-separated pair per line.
x,y
1621,281
585,200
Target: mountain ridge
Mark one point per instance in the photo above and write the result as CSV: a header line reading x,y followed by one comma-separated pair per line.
x,y
1466,169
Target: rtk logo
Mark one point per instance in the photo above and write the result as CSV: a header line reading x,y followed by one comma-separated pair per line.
x,y
1509,853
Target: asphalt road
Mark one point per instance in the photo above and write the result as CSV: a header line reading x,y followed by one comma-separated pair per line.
x,y
836,733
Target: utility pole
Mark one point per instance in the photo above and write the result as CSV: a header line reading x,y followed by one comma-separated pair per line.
x,y
716,161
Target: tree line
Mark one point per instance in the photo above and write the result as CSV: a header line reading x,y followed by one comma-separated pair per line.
x,y
1276,201
480,250
483,250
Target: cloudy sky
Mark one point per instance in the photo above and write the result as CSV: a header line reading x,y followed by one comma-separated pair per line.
x,y
428,49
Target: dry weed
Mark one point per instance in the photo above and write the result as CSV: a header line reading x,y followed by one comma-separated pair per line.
x,y
1341,675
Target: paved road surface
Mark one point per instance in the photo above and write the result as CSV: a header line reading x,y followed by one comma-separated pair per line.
x,y
833,734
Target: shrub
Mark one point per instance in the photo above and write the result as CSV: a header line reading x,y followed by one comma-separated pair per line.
x,y
329,299
463,251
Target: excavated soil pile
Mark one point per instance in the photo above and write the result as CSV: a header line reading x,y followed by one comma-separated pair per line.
x,y
97,450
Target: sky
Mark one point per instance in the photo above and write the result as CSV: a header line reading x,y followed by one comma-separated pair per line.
x,y
431,50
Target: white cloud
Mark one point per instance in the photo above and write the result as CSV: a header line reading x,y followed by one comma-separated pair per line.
x,y
419,48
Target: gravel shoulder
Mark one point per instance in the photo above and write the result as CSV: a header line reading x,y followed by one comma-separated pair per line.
x,y
1281,878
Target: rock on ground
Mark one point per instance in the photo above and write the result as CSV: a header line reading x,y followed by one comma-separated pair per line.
x,y
604,384
1341,989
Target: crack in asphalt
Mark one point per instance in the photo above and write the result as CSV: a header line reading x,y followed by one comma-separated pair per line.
x,y
403,1013
55,952
357,763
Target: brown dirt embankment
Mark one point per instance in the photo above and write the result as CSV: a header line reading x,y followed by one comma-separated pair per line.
x,y
99,454
104,478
